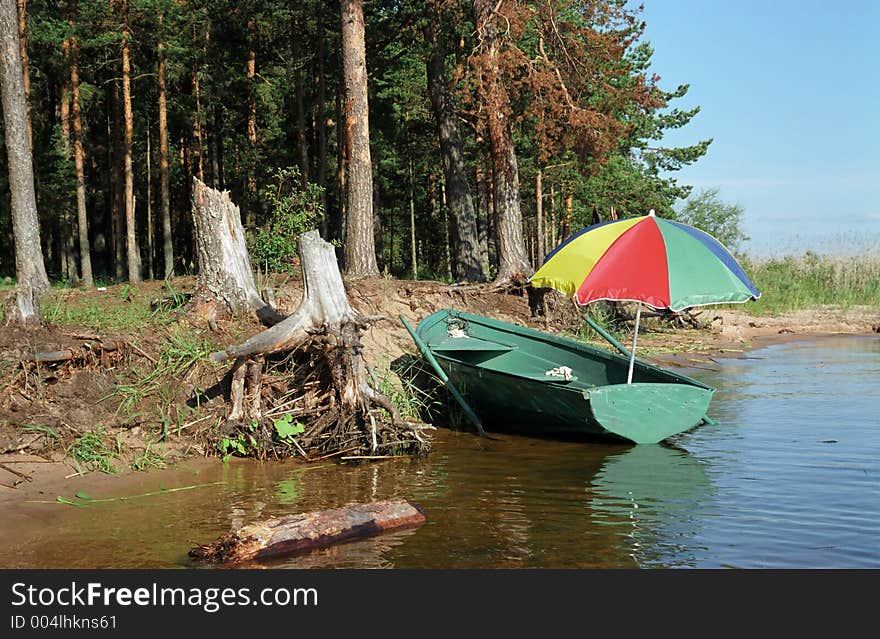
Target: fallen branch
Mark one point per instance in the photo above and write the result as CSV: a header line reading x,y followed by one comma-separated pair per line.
x,y
24,476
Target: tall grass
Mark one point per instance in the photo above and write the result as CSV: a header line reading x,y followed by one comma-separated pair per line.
x,y
125,309
812,280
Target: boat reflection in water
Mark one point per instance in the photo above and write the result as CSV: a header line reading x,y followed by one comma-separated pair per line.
x,y
656,497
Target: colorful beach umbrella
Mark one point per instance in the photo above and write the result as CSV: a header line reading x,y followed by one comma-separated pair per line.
x,y
649,260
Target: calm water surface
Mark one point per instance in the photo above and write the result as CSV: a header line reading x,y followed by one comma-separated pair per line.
x,y
789,478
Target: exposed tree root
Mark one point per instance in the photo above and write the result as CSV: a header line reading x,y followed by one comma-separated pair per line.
x,y
302,387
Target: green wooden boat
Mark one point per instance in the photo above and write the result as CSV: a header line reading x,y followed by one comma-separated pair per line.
x,y
520,380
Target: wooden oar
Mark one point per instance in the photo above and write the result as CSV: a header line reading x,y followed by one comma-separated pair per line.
x,y
442,375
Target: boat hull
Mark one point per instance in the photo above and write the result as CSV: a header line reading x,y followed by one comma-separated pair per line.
x,y
500,370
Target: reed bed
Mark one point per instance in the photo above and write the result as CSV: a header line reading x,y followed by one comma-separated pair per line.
x,y
811,280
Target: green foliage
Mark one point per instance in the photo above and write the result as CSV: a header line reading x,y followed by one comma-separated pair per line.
x,y
181,351
604,315
90,452
286,428
64,306
293,210
298,95
707,212
411,401
48,431
634,178
240,444
147,459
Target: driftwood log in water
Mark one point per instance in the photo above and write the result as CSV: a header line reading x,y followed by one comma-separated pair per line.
x,y
307,531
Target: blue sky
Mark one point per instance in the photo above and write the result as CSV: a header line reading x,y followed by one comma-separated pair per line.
x,y
790,92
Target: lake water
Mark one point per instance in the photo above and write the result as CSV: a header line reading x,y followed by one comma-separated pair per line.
x,y
788,478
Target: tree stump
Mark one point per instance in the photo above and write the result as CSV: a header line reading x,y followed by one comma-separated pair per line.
x,y
309,370
22,308
225,283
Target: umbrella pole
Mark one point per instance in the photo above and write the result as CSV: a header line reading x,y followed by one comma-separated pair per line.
x,y
632,354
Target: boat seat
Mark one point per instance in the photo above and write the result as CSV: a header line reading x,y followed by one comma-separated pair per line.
x,y
526,366
453,344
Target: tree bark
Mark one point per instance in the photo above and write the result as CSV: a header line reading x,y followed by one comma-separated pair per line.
x,y
85,253
483,216
251,186
569,211
302,144
539,217
308,531
225,284
321,130
69,268
197,126
324,302
131,245
30,270
25,64
148,162
337,227
117,181
513,262
412,223
466,265
164,191
360,243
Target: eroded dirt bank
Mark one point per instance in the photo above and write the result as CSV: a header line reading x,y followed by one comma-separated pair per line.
x,y
136,374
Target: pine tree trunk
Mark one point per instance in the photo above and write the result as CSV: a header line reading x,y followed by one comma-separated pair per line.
x,y
412,223
513,262
131,245
218,144
197,126
85,252
117,180
466,265
251,185
539,217
360,243
321,131
25,64
483,216
302,145
29,268
569,211
444,215
147,160
164,191
69,268
337,228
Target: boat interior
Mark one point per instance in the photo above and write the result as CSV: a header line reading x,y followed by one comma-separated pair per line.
x,y
577,366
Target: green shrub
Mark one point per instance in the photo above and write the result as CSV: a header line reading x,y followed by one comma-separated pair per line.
x,y
293,210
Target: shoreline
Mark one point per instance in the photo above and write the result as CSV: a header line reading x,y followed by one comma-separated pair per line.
x,y
731,334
